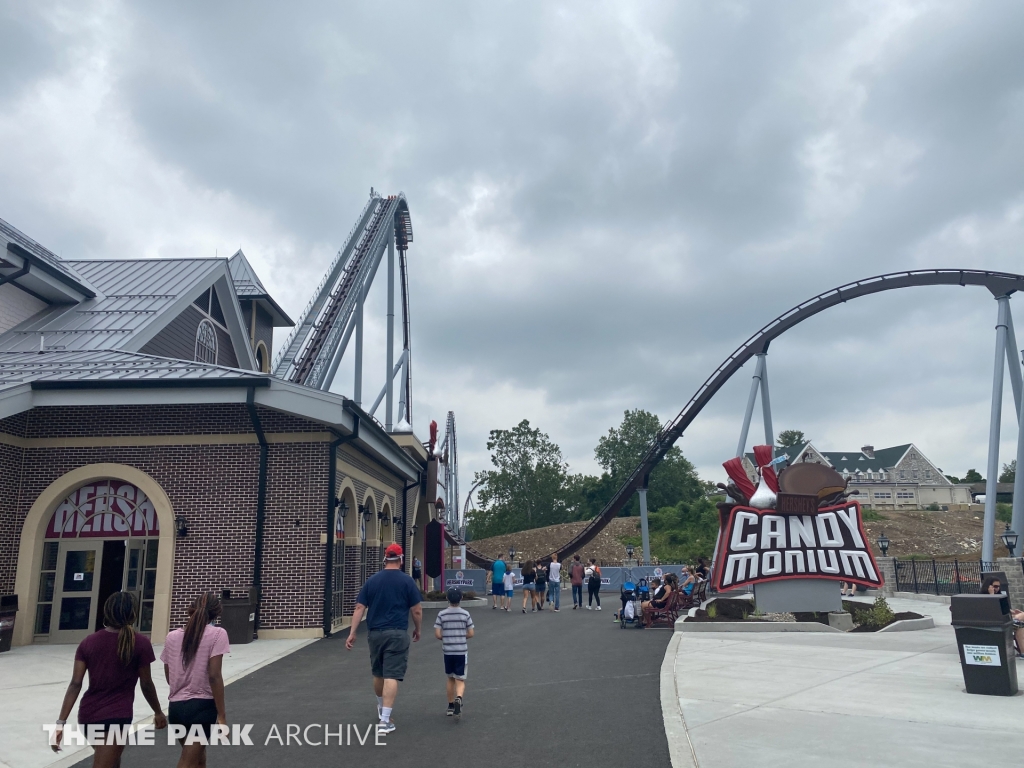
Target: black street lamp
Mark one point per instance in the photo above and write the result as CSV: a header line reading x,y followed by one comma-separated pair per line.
x,y
883,543
629,551
1009,540
511,554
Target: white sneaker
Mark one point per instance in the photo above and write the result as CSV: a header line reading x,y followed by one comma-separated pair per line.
x,y
589,608
599,607
385,727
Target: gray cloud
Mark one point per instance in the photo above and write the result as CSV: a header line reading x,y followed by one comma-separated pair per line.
x,y
607,199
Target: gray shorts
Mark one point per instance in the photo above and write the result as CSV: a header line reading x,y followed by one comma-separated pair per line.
x,y
389,653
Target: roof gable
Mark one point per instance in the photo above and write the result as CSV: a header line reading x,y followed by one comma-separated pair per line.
x,y
249,286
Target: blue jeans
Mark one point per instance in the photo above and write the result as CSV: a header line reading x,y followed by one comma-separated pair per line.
x,y
555,593
577,594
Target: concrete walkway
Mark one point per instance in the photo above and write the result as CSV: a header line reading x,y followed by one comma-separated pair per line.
x,y
778,699
33,680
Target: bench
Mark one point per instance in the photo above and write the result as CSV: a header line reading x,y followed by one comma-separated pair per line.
x,y
666,617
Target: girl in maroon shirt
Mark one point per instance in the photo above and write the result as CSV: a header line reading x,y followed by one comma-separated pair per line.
x,y
116,659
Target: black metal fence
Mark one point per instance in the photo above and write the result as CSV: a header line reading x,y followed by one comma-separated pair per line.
x,y
940,577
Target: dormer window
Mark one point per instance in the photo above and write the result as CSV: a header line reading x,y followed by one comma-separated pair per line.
x,y
206,343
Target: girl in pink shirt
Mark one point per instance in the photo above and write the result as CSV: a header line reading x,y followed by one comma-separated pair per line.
x,y
192,664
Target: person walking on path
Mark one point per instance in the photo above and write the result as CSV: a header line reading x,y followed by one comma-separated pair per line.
x,y
509,583
594,584
576,572
529,586
542,585
498,583
116,657
388,598
554,582
453,627
193,659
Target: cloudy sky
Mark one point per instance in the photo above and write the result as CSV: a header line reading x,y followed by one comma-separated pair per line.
x,y
607,197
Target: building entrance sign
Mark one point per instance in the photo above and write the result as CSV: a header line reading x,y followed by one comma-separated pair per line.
x,y
105,509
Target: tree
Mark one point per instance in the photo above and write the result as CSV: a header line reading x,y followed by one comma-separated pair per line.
x,y
972,477
526,488
790,437
619,452
1009,472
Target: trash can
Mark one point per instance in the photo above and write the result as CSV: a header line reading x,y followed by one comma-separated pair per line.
x,y
984,636
8,610
239,615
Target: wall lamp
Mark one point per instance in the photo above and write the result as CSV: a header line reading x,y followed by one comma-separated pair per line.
x,y
181,526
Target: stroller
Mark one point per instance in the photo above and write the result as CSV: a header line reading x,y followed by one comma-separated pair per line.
x,y
631,596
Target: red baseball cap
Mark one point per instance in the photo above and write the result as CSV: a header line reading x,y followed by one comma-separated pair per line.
x,y
393,552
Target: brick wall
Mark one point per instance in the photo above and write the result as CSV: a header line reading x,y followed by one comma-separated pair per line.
x,y
1011,566
214,486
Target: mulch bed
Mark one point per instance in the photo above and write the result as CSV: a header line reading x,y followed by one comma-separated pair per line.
x,y
742,610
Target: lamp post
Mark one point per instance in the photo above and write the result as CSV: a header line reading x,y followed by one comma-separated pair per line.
x,y
883,544
512,555
629,551
1009,539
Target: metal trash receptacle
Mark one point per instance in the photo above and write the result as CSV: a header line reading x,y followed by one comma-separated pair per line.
x,y
239,614
8,613
984,637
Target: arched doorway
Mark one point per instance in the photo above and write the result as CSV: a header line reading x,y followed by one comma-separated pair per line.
x,y
95,531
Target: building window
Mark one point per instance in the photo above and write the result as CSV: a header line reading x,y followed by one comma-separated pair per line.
x,y
206,343
903,474
882,495
904,494
916,474
928,474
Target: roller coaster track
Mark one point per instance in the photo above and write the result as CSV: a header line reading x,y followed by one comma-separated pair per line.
x,y
310,355
999,283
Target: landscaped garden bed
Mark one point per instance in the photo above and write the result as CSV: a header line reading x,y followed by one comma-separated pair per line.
x,y
866,618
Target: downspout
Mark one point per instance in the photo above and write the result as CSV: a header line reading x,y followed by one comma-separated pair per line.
x,y
332,510
405,518
261,503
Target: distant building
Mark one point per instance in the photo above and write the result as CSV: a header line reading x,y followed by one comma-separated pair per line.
x,y
900,477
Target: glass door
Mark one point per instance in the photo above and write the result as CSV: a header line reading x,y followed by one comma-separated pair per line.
x,y
134,569
77,585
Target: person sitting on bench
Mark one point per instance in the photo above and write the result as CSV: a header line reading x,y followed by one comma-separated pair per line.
x,y
659,599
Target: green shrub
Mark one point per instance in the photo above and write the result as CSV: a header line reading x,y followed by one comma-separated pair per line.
x,y
877,616
1004,512
870,515
933,507
711,610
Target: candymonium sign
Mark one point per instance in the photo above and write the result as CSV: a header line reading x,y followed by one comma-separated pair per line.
x,y
759,545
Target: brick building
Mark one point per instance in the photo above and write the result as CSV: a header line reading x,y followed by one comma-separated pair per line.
x,y
144,446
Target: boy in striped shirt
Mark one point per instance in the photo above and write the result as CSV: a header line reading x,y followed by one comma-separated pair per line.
x,y
453,627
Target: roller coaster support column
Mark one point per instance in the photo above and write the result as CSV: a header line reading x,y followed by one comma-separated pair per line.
x,y
766,403
389,398
357,386
1013,361
645,535
1017,521
759,382
992,481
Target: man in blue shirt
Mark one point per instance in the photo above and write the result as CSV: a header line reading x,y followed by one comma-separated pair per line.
x,y
388,598
497,585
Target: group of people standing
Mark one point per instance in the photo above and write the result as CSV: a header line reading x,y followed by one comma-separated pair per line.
x,y
542,583
117,658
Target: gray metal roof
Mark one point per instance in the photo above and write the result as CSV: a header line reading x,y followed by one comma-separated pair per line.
x,y
249,286
111,366
48,260
247,283
132,294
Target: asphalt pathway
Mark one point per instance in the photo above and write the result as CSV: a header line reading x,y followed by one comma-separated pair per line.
x,y
545,689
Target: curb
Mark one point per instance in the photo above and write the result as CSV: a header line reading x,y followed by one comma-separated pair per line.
x,y
680,749
474,603
682,625
906,625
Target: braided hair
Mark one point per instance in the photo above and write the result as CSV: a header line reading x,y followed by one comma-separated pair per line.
x,y
120,612
204,610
